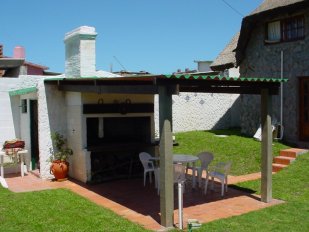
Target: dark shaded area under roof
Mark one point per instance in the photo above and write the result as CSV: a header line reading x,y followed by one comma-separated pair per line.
x,y
150,84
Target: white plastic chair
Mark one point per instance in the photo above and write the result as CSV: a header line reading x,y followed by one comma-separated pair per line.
x,y
3,182
147,164
205,158
220,172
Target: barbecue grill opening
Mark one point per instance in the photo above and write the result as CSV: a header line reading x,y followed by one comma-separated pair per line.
x,y
115,143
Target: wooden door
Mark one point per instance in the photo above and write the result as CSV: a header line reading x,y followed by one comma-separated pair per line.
x,y
304,109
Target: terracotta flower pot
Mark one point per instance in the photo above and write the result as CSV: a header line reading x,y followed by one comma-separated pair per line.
x,y
59,169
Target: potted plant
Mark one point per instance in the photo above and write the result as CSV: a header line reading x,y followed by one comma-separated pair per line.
x,y
59,155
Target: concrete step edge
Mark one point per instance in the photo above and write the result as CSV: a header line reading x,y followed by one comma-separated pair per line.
x,y
279,165
284,157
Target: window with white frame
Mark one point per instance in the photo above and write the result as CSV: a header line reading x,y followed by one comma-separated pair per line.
x,y
285,30
274,32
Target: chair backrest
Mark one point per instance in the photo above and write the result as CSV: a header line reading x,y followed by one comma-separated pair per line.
x,y
205,158
179,173
223,167
145,158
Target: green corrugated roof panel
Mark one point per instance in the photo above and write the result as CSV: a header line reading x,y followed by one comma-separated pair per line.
x,y
22,91
222,78
181,76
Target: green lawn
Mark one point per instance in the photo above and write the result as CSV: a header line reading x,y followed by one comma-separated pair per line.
x,y
56,210
62,210
244,152
290,185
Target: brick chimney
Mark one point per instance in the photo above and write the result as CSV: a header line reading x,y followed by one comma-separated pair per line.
x,y
1,50
80,52
19,52
1,55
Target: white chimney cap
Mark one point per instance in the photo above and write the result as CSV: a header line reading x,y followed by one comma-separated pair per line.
x,y
83,30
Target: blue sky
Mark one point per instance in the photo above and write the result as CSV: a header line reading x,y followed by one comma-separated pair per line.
x,y
157,36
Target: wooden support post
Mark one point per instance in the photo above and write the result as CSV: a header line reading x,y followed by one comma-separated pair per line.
x,y
166,158
266,166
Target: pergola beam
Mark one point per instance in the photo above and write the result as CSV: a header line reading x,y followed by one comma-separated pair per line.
x,y
124,89
227,89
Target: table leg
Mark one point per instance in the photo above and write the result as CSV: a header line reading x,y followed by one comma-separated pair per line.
x,y
193,177
28,163
1,161
21,156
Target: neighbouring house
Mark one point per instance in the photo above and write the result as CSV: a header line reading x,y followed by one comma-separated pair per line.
x,y
9,66
274,42
28,68
24,68
203,65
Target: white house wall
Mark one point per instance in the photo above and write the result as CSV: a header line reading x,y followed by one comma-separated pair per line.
x,y
8,129
14,123
52,117
202,111
75,132
10,113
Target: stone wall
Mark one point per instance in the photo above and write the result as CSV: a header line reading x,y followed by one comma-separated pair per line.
x,y
264,60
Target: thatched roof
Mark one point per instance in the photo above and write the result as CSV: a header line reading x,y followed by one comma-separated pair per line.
x,y
273,4
267,8
226,59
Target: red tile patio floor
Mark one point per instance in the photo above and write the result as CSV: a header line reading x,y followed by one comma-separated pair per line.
x,y
129,199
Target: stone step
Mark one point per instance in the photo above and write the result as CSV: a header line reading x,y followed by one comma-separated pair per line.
x,y
278,167
292,152
283,160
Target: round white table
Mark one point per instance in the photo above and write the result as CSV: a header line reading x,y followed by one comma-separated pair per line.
x,y
185,159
